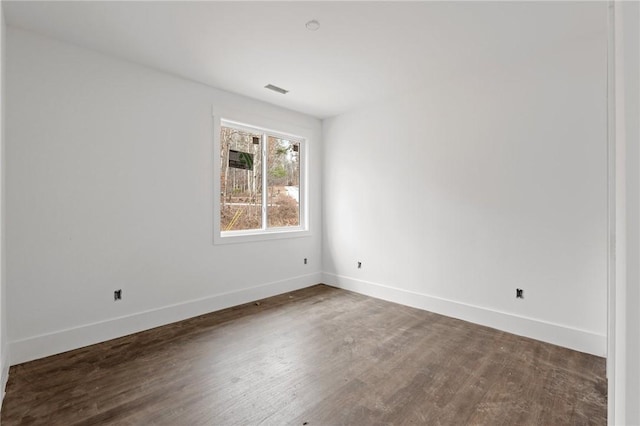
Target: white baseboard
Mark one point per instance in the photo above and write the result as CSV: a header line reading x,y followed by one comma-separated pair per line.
x,y
65,340
572,338
4,376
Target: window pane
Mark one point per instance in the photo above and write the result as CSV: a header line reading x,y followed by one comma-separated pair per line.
x,y
283,182
240,180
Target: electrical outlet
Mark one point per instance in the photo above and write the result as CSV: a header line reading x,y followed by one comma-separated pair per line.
x,y
519,293
117,295
305,260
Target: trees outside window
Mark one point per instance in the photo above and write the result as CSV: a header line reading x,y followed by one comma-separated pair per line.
x,y
260,179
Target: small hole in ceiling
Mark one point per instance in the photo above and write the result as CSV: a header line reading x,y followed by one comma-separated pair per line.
x,y
312,25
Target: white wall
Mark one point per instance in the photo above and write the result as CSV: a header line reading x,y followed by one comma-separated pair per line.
x,y
455,195
632,135
626,389
4,361
109,185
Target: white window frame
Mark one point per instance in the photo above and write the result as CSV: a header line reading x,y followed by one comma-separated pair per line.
x,y
266,233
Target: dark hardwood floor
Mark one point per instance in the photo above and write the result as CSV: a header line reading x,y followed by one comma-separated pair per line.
x,y
318,356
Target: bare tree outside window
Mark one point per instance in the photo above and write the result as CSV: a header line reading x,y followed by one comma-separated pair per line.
x,y
240,189
283,180
245,156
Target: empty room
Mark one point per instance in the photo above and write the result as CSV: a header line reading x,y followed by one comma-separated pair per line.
x,y
319,213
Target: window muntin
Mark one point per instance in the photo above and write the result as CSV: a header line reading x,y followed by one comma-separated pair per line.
x,y
261,181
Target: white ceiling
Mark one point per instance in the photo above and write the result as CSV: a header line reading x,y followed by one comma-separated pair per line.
x,y
362,51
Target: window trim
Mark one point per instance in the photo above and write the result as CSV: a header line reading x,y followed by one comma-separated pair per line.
x,y
251,235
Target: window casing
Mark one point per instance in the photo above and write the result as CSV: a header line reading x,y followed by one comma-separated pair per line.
x,y
261,182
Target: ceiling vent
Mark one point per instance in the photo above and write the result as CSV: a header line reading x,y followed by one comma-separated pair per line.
x,y
276,89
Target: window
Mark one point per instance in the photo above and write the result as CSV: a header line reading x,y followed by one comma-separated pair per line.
x,y
262,189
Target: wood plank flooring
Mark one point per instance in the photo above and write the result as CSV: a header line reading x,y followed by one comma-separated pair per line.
x,y
318,356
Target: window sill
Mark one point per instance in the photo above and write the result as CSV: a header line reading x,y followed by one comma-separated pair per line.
x,y
233,237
